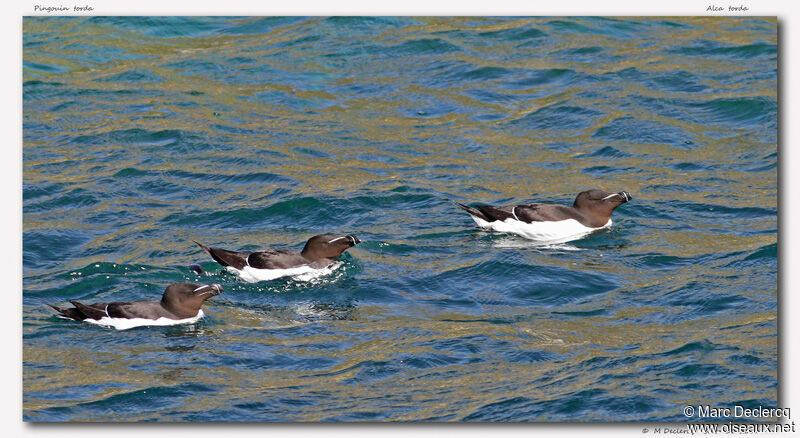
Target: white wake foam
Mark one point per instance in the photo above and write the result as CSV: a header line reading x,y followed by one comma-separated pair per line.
x,y
300,273
544,232
129,323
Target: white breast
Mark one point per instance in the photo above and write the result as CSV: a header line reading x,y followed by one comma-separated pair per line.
x,y
300,273
545,232
128,323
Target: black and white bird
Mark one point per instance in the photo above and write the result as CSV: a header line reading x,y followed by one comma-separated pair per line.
x,y
180,304
318,257
551,223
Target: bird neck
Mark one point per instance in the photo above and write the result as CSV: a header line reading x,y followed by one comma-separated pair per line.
x,y
180,311
309,254
595,218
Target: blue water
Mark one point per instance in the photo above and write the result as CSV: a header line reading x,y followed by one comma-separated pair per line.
x,y
142,134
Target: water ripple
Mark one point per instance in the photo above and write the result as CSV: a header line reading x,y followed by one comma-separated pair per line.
x,y
142,134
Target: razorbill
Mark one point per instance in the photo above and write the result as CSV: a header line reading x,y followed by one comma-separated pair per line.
x,y
180,304
318,257
551,223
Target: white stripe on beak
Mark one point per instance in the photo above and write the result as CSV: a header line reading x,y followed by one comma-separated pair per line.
x,y
213,289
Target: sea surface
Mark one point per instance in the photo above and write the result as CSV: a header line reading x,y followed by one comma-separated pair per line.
x,y
142,134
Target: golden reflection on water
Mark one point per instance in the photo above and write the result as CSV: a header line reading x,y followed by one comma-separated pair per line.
x,y
457,389
346,171
358,115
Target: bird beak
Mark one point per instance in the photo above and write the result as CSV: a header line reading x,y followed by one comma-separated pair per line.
x,y
623,194
213,289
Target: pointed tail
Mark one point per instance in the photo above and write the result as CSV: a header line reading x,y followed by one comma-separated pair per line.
x,y
205,248
210,252
225,257
70,313
473,211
